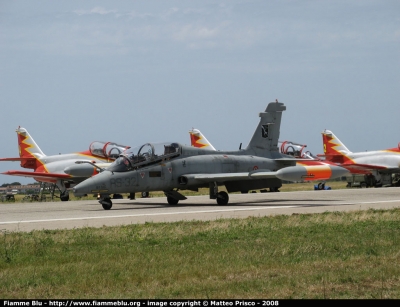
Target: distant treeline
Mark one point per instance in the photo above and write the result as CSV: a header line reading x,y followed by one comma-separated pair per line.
x,y
16,183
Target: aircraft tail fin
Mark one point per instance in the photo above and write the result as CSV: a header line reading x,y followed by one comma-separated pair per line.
x,y
197,139
266,135
29,151
334,149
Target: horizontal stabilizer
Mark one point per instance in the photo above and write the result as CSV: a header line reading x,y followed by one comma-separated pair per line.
x,y
365,168
37,175
19,159
329,155
335,158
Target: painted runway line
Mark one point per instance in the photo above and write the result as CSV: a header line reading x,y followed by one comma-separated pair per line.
x,y
143,214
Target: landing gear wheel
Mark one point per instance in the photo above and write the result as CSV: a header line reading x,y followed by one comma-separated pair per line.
x,y
222,198
172,201
64,197
106,203
145,194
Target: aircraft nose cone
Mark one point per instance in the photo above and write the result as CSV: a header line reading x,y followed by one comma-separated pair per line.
x,y
85,187
95,184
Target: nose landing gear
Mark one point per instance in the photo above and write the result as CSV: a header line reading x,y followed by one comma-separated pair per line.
x,y
106,202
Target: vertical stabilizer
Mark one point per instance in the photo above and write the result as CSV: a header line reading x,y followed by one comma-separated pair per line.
x,y
265,138
332,145
334,150
28,149
197,139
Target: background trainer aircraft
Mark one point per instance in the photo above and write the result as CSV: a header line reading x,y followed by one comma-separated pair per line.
x,y
287,147
61,169
380,163
171,167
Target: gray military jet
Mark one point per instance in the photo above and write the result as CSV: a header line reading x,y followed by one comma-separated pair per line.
x,y
171,167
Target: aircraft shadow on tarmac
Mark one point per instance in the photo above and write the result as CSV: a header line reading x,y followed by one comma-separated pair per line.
x,y
138,205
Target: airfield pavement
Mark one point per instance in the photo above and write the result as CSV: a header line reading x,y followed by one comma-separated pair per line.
x,y
89,213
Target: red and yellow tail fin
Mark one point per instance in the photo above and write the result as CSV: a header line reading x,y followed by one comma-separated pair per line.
x,y
29,151
334,150
197,139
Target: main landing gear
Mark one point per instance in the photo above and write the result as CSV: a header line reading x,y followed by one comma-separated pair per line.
x,y
63,188
221,197
64,196
173,197
172,201
145,194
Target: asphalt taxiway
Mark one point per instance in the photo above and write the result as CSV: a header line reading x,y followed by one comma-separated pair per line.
x,y
89,213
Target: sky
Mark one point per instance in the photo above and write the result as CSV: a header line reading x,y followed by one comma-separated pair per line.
x,y
73,72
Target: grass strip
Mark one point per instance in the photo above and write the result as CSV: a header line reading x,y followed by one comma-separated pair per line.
x,y
329,255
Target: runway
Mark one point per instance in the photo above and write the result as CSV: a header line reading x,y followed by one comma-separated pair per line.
x,y
89,213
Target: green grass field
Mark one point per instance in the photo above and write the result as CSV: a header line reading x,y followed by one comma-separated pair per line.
x,y
329,255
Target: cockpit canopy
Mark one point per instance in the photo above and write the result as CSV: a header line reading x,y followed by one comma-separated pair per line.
x,y
107,150
295,150
149,153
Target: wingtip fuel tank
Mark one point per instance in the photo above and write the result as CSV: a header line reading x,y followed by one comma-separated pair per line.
x,y
313,172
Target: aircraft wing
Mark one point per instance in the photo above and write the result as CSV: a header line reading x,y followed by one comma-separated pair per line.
x,y
43,176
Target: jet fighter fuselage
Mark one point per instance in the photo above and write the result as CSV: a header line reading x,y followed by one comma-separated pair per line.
x,y
182,169
171,167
